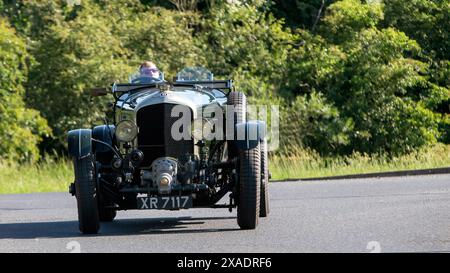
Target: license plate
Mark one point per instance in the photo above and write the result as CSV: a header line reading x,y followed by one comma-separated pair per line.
x,y
164,202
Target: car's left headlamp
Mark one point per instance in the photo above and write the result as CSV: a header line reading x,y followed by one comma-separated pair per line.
x,y
126,131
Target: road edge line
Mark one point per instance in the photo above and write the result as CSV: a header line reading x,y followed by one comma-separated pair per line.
x,y
444,170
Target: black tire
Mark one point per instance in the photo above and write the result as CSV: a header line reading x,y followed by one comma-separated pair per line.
x,y
239,101
249,188
264,199
86,194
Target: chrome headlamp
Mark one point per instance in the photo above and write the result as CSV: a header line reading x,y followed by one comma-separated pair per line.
x,y
197,129
202,129
126,131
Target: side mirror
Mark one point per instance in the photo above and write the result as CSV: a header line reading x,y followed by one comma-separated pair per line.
x,y
98,91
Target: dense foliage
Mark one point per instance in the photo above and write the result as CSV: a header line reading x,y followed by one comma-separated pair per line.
x,y
21,128
349,75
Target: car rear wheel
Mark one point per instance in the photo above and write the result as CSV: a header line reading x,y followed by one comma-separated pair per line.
x,y
249,188
264,199
86,194
239,101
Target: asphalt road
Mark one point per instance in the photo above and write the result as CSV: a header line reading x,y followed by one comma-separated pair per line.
x,y
402,214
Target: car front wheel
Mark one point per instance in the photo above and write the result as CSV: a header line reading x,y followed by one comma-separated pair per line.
x,y
86,194
249,188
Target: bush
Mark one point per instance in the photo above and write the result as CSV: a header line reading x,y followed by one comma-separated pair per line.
x,y
21,128
344,19
310,121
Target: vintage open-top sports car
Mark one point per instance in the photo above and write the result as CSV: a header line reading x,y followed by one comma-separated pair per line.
x,y
172,145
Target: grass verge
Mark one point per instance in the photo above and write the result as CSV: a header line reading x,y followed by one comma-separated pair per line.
x,y
55,175
49,175
307,164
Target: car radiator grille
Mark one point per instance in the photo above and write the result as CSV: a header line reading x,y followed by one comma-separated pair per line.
x,y
154,137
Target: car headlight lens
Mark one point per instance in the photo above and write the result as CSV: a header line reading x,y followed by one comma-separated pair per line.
x,y
202,129
197,129
126,131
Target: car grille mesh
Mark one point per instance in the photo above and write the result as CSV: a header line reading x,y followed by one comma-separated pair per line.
x,y
154,137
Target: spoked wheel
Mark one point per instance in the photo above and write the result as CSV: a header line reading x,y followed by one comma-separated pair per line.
x,y
248,209
86,194
264,199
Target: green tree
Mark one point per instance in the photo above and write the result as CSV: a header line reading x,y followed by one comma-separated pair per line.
x,y
245,40
164,36
21,128
311,121
88,49
376,95
72,56
371,76
303,14
374,77
344,19
427,22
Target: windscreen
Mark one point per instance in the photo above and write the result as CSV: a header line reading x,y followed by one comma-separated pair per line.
x,y
194,74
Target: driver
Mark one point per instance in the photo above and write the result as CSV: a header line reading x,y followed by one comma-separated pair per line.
x,y
149,69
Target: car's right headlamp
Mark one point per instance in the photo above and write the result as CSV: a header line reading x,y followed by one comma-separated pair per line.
x,y
126,131
202,129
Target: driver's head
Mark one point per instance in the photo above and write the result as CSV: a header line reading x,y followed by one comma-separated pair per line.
x,y
149,69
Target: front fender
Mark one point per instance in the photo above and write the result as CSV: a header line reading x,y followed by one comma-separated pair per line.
x,y
79,142
249,134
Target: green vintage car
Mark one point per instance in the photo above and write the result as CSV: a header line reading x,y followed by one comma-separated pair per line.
x,y
171,145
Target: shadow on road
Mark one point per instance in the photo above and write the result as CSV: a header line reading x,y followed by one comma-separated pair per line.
x,y
139,226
